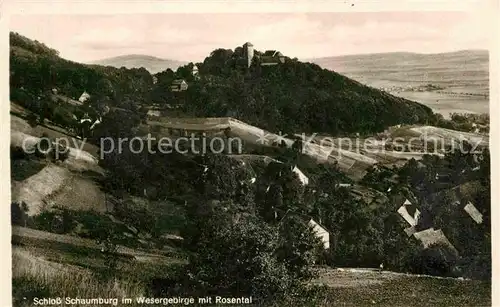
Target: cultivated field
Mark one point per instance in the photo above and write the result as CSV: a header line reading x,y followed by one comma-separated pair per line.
x,y
50,265
353,155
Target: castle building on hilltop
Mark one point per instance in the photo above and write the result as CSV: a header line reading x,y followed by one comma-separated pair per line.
x,y
268,58
249,53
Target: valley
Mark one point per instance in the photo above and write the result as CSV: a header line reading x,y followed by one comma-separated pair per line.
x,y
463,90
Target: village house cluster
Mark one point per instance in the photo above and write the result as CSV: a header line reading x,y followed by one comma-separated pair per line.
x,y
430,236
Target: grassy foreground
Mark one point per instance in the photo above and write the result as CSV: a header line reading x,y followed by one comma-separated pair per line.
x,y
413,291
34,275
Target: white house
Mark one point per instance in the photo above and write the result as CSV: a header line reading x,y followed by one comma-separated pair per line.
x,y
179,85
320,233
154,113
84,97
410,231
303,178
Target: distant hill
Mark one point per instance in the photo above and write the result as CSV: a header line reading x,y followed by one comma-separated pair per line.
x,y
474,60
36,68
150,63
448,69
462,75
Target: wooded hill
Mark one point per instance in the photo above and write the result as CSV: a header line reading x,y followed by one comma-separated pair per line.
x,y
293,96
36,69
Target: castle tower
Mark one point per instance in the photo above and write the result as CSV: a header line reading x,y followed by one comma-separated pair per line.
x,y
248,47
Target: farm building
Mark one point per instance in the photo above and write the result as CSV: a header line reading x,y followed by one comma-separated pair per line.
x,y
179,85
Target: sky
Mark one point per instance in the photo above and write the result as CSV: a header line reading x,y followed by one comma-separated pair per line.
x,y
191,37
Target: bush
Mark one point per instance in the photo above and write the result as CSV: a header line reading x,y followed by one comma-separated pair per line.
x,y
44,147
57,221
239,260
32,120
236,253
435,260
18,213
17,153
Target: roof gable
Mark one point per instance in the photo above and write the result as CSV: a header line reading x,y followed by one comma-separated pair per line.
x,y
178,82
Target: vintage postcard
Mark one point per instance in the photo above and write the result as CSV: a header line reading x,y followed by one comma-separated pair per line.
x,y
255,153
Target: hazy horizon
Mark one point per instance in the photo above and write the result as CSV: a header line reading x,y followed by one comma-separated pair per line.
x,y
191,37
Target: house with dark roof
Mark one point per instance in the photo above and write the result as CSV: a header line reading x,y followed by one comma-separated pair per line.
x,y
272,57
179,85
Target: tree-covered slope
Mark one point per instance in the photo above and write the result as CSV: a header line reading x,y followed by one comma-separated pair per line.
x,y
289,97
36,69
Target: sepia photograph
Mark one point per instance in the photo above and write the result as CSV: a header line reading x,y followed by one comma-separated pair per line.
x,y
250,158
